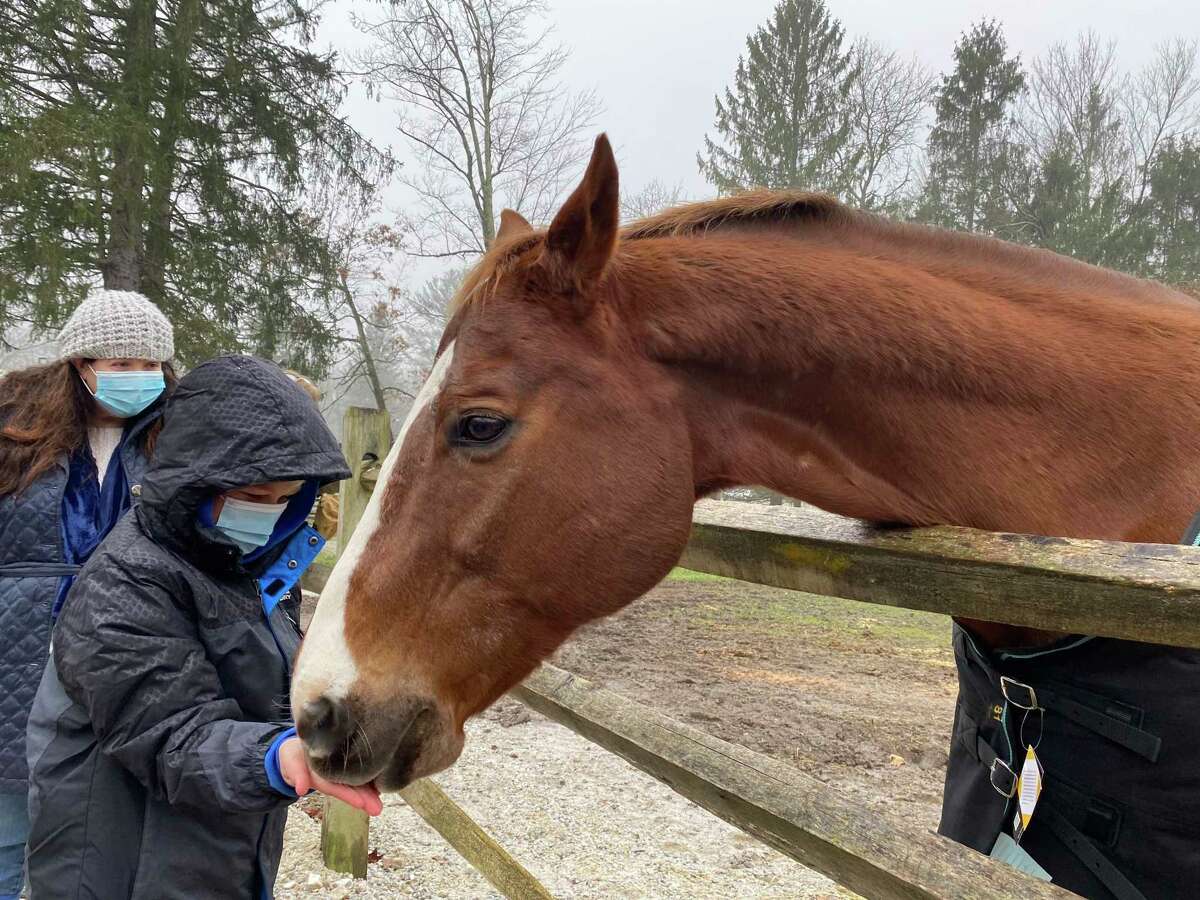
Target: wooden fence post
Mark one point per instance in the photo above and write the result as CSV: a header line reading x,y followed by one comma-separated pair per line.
x,y
366,439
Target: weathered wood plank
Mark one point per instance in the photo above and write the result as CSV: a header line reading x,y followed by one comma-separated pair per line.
x,y
366,438
345,835
474,844
1143,592
315,577
792,812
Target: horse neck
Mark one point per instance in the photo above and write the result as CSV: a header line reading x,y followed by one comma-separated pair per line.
x,y
891,392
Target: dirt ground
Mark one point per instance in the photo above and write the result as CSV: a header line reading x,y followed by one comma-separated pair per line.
x,y
584,822
860,696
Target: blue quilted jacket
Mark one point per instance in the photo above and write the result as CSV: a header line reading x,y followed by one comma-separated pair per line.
x,y
46,534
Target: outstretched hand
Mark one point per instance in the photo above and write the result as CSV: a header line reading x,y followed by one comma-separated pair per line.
x,y
293,766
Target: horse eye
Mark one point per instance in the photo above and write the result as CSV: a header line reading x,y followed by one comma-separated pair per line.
x,y
479,428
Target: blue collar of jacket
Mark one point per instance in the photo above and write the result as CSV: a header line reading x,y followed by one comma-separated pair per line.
x,y
1191,537
283,574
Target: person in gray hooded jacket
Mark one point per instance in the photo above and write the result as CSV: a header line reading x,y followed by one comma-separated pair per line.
x,y
161,750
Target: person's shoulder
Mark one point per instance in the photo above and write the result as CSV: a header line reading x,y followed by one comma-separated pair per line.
x,y
129,556
128,583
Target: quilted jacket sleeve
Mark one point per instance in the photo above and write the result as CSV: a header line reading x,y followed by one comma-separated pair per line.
x,y
127,649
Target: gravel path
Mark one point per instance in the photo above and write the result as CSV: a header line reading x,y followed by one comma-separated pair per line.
x,y
586,823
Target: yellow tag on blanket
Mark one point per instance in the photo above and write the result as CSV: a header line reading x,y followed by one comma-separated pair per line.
x,y
1029,788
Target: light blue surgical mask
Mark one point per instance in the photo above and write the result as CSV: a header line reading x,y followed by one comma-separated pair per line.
x,y
125,394
249,525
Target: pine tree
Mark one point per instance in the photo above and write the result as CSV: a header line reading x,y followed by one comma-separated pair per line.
x,y
1065,211
970,155
787,120
162,146
1173,212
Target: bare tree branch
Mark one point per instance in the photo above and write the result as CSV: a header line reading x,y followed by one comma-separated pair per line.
x,y
482,109
1161,102
892,96
653,198
1073,97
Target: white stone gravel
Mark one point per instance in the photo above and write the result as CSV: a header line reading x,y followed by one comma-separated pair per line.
x,y
583,821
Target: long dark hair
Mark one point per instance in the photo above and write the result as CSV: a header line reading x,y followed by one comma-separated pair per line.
x,y
44,414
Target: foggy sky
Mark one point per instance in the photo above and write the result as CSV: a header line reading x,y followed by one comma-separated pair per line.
x,y
657,64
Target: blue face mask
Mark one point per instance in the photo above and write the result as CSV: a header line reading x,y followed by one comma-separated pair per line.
x,y
125,394
249,525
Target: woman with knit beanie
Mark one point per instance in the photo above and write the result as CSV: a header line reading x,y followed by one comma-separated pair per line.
x,y
75,438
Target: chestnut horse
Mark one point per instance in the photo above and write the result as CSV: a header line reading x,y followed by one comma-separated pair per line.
x,y
594,382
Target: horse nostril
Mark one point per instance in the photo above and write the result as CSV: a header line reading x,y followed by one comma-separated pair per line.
x,y
324,725
318,715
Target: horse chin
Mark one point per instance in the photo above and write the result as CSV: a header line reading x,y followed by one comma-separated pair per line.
x,y
433,754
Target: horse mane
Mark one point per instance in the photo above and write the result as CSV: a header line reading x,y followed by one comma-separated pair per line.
x,y
500,259
748,208
822,218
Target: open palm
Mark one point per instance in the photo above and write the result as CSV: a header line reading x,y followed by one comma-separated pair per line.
x,y
293,765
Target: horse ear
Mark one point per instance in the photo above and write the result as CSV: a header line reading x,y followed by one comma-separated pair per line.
x,y
583,235
512,223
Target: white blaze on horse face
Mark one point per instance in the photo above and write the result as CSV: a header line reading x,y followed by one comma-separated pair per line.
x,y
327,667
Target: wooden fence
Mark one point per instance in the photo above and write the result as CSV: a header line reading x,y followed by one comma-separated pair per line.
x,y
1141,592
1133,591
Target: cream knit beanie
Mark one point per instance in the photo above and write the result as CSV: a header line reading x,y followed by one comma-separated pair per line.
x,y
117,325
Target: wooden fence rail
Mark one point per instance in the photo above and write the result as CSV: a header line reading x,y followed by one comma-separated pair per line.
x,y
876,856
1141,592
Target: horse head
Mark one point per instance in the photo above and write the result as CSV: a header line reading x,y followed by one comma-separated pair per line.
x,y
542,479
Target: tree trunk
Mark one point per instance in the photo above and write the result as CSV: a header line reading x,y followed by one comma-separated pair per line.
x,y
488,217
365,348
163,167
122,269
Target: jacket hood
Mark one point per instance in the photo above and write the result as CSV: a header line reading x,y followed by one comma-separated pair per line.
x,y
232,422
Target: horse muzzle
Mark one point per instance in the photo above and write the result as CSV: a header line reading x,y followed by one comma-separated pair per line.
x,y
348,742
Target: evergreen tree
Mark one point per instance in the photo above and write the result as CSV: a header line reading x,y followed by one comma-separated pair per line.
x,y
970,155
1173,213
787,121
161,145
1065,211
